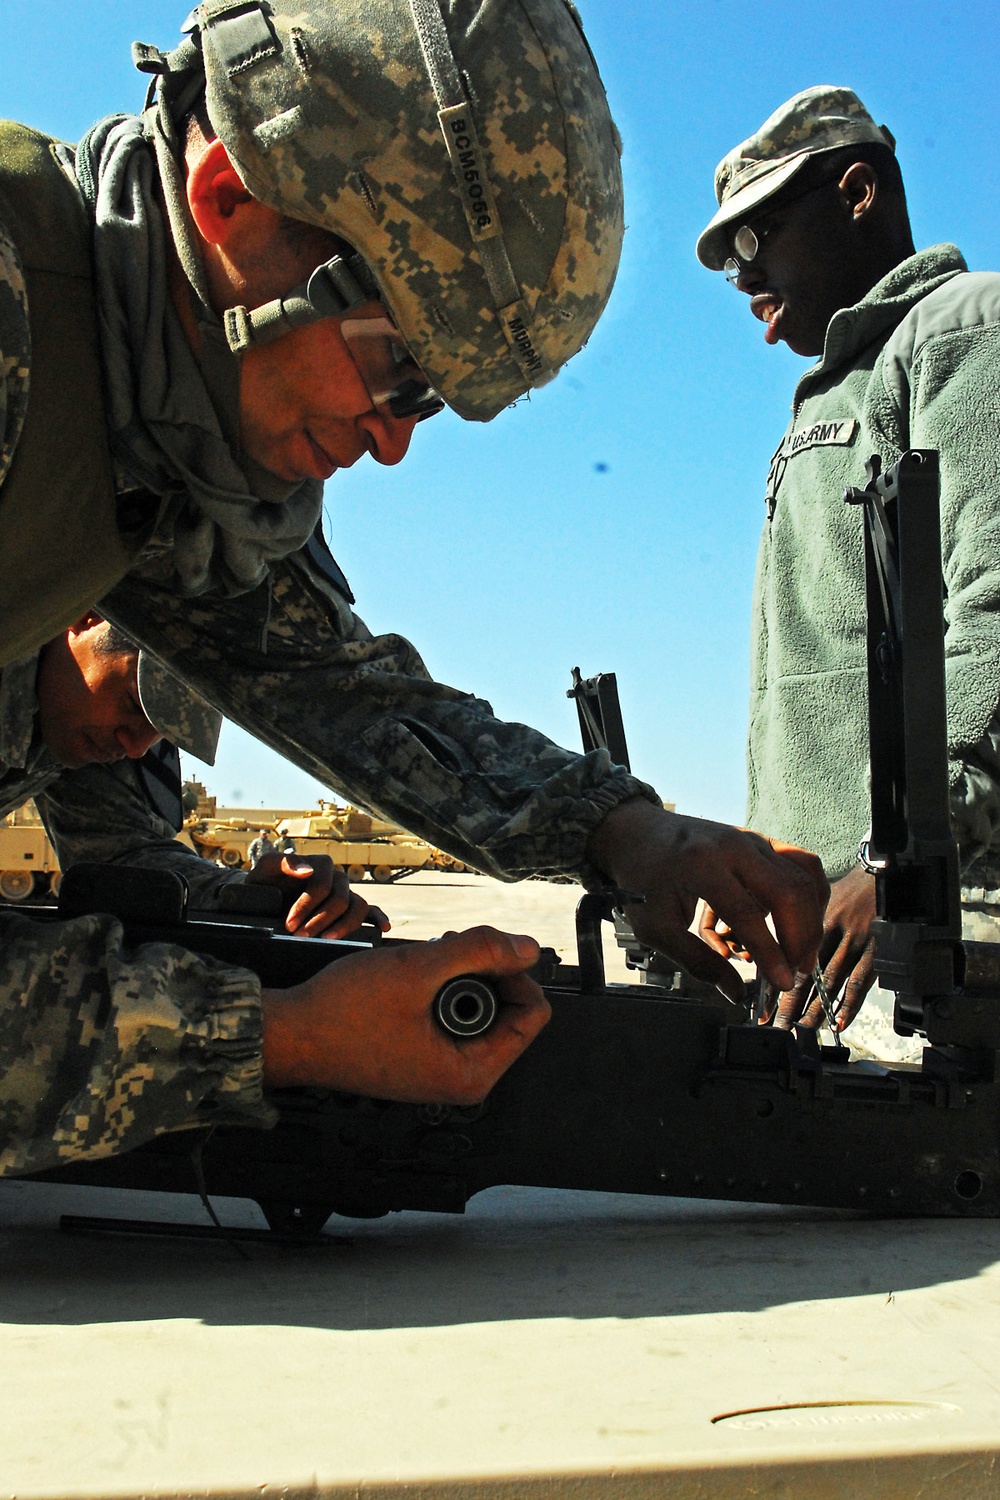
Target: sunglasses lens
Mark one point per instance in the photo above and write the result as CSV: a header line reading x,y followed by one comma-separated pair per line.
x,y
732,269
392,377
415,399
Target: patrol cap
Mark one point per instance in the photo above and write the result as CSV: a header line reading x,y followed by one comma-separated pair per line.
x,y
819,119
180,714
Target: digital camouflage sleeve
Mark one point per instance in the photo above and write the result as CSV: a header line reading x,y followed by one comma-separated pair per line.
x,y
15,351
101,815
101,1049
295,666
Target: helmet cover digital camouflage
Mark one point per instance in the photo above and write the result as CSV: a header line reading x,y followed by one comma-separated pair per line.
x,y
819,119
329,113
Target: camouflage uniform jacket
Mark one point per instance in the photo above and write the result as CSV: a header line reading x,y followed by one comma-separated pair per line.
x,y
102,1048
296,667
914,364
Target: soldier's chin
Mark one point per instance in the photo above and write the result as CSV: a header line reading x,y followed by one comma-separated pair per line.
x,y
68,760
74,751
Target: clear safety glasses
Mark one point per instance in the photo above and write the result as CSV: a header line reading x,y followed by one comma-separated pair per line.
x,y
745,249
747,241
392,377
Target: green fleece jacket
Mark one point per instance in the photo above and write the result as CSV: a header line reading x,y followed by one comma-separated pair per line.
x,y
916,364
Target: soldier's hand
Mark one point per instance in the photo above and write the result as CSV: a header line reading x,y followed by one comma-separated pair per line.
x,y
364,1024
328,905
673,861
719,935
847,954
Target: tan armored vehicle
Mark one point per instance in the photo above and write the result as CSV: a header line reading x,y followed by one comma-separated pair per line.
x,y
363,845
223,835
28,864
356,841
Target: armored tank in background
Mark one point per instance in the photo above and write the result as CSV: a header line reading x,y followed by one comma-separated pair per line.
x,y
364,845
225,834
357,842
28,864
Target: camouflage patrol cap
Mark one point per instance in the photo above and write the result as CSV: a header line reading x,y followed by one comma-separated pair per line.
x,y
819,119
180,714
464,148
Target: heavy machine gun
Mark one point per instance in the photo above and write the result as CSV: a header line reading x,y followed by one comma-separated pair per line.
x,y
650,1088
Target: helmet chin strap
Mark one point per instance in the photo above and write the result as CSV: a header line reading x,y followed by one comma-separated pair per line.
x,y
334,288
179,88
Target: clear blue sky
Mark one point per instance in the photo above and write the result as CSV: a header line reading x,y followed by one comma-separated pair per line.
x,y
612,522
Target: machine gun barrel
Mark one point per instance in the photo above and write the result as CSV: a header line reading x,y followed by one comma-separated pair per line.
x,y
466,1006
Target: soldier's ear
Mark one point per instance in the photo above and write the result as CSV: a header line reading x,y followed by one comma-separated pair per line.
x,y
859,189
220,205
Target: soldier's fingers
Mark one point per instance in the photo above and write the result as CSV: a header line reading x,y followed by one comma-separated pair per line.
x,y
714,932
813,1017
483,950
327,896
333,920
838,964
791,884
860,982
801,1012
767,1003
700,960
741,910
794,1002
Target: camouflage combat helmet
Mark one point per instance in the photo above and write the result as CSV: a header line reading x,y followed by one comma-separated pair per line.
x,y
463,148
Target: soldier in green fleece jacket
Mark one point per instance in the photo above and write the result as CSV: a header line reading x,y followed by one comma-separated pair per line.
x,y
813,227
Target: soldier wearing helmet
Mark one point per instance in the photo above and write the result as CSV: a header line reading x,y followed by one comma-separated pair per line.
x,y
328,221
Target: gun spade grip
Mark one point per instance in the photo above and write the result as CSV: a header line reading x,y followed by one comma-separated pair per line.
x,y
466,1006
